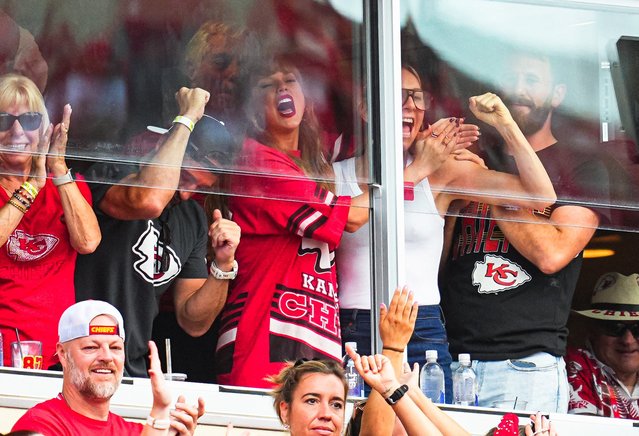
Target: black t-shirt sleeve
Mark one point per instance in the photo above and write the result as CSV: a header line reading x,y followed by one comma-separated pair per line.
x,y
101,177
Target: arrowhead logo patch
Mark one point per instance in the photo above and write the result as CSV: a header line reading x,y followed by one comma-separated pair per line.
x,y
497,274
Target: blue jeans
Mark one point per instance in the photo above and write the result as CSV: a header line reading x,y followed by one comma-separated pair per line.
x,y
539,379
429,334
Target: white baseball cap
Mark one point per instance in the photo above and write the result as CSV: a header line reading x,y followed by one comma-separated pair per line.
x,y
75,321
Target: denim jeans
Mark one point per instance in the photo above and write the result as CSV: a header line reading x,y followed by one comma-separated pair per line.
x,y
429,334
539,379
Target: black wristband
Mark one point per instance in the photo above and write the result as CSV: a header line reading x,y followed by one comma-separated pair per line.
x,y
397,350
397,395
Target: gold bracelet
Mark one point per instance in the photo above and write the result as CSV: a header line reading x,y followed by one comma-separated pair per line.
x,y
17,205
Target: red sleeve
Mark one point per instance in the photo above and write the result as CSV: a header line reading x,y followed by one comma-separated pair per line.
x,y
283,198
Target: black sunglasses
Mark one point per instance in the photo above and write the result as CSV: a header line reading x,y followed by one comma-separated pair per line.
x,y
618,329
29,120
420,98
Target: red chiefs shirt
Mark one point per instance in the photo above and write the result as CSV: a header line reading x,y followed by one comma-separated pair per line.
x,y
283,305
36,273
55,418
595,390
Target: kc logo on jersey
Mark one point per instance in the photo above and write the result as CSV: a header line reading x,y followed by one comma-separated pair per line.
x,y
149,252
497,274
24,247
324,257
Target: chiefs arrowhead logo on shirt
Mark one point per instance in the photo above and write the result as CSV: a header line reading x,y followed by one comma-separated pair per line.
x,y
24,247
149,252
496,274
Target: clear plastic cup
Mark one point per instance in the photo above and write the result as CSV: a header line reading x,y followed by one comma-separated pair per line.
x,y
27,355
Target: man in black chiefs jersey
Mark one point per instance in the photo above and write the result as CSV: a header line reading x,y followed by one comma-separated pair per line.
x,y
511,273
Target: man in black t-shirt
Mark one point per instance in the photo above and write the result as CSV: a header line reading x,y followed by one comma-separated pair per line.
x,y
511,274
155,237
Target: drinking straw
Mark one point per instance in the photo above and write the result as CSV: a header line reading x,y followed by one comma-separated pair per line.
x,y
515,405
19,347
169,366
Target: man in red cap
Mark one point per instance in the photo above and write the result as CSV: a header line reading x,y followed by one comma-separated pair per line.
x,y
91,350
603,377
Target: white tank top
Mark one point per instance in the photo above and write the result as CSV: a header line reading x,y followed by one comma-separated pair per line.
x,y
424,234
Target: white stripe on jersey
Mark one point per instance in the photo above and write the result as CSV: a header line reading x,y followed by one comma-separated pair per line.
x,y
307,222
307,336
226,338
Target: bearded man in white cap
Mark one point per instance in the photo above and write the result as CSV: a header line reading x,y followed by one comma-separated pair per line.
x,y
604,377
91,350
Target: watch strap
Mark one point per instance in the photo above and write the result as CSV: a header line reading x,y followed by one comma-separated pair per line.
x,y
216,272
397,395
63,179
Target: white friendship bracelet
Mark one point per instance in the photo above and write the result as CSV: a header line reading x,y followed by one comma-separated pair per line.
x,y
63,179
158,424
184,120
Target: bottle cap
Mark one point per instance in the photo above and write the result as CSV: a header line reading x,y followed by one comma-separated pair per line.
x,y
464,358
353,345
431,355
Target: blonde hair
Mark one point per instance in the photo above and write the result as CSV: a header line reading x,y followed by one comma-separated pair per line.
x,y
198,45
289,377
16,89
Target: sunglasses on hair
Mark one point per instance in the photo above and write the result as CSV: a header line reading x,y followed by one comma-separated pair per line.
x,y
618,329
29,120
420,98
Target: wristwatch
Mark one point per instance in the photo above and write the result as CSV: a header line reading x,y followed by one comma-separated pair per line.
x,y
223,275
158,424
397,395
63,179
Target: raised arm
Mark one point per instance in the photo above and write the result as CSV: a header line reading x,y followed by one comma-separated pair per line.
x,y
467,180
84,231
199,301
552,243
432,148
145,194
11,214
396,325
160,411
378,372
434,145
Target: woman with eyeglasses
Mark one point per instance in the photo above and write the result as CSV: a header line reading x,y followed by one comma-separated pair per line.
x,y
437,171
45,218
310,397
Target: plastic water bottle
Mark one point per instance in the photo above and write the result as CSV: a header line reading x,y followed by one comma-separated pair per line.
x,y
431,378
355,381
464,383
